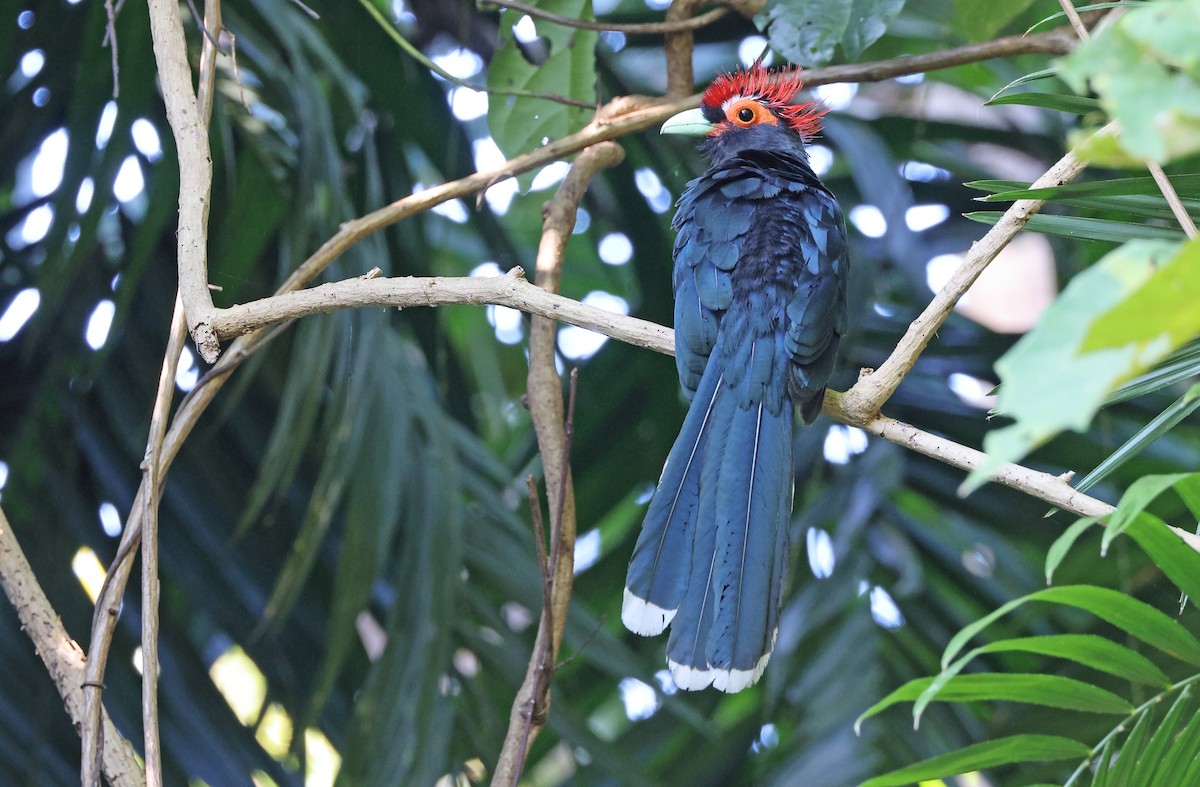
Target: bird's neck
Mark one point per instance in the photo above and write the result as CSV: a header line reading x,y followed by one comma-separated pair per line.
x,y
733,143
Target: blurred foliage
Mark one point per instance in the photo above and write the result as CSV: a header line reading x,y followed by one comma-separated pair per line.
x,y
351,510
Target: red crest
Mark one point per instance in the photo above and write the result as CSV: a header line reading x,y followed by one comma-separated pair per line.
x,y
775,89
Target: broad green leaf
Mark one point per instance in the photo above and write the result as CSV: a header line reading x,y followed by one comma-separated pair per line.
x,y
1077,105
983,19
1053,691
989,754
1140,494
1113,321
1175,557
1086,649
1145,69
520,123
1083,228
1125,612
1161,424
1062,545
808,31
1089,650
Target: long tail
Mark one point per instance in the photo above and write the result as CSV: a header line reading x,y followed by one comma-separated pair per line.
x,y
711,558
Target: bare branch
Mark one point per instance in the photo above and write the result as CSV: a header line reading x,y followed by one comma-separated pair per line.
x,y
532,702
151,478
62,656
635,28
512,290
1050,488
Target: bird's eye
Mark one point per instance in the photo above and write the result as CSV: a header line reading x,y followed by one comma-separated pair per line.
x,y
745,114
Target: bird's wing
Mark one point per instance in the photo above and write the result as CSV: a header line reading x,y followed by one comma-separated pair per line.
x,y
711,224
817,311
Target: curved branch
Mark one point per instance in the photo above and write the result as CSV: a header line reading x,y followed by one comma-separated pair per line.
x,y
634,28
195,170
532,703
514,291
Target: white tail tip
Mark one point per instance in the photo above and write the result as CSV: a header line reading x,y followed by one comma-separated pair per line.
x,y
643,617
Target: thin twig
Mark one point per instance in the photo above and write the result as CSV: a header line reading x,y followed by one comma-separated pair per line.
x,y
110,38
512,290
419,56
634,28
62,655
1073,17
151,476
1156,170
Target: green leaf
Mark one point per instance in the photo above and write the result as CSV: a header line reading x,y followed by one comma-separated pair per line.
x,y
521,123
1140,494
1086,7
1076,105
1089,650
1053,691
1083,228
1174,557
808,31
1162,311
1145,70
1008,190
1181,365
1062,545
989,754
1165,734
1113,321
1122,769
1125,612
1161,424
983,19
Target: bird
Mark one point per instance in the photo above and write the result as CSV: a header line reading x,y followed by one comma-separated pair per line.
x,y
759,277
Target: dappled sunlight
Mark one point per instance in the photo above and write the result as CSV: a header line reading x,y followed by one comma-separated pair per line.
x,y
89,571
240,682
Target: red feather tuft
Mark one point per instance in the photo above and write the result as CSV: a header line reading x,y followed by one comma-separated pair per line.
x,y
776,89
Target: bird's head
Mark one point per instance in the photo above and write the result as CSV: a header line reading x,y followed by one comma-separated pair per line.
x,y
751,108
